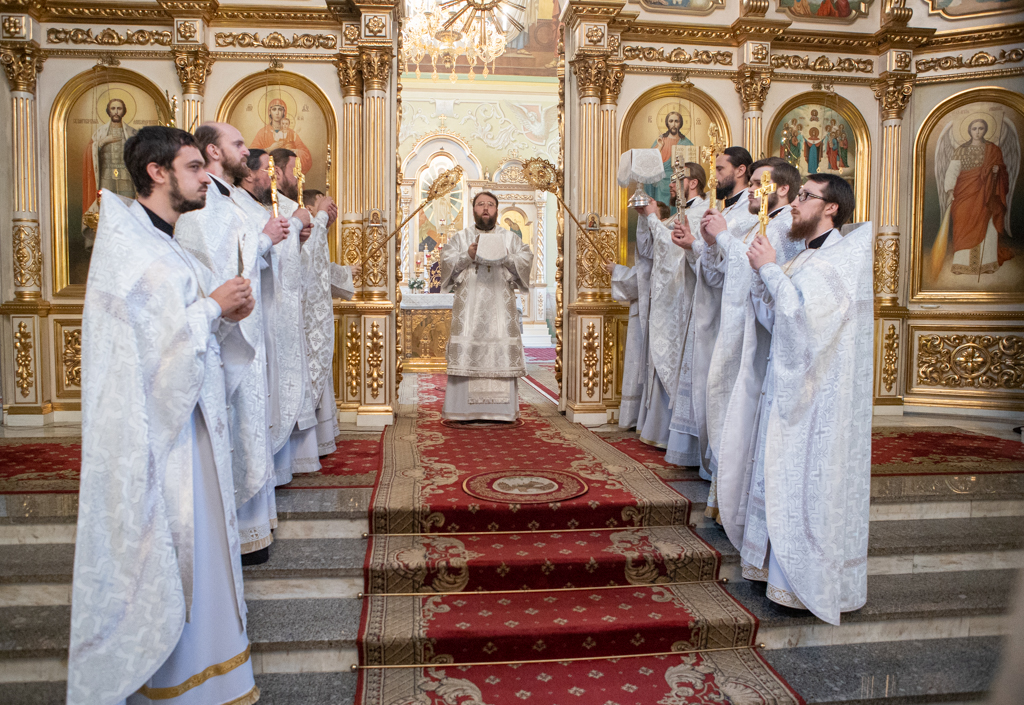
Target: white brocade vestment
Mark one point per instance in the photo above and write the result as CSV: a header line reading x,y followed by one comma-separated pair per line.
x,y
153,347
485,342
817,449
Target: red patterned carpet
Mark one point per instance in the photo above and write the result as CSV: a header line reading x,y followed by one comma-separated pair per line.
x,y
51,465
477,592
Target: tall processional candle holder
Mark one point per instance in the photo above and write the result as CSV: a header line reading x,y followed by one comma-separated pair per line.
x,y
640,167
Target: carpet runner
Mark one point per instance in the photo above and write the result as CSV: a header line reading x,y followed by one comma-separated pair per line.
x,y
477,594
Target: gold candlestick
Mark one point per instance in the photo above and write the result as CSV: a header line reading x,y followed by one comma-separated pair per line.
x,y
710,154
272,172
300,179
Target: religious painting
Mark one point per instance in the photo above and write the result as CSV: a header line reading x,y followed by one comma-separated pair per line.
x,y
285,110
686,7
843,11
672,119
960,9
969,199
822,133
441,218
515,220
93,116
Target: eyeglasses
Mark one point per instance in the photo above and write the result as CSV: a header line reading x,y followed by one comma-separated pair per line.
x,y
804,195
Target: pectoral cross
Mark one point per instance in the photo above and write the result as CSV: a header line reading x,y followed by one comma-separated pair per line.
x,y
300,178
767,187
272,173
710,155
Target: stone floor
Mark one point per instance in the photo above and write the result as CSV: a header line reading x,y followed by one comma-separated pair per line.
x,y
942,563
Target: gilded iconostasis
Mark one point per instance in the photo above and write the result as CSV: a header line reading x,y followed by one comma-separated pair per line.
x,y
917,103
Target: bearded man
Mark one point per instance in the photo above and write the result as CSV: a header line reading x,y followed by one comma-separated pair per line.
x,y
484,265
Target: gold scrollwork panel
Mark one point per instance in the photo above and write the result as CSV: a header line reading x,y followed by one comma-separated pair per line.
x,y
67,349
978,366
26,349
425,334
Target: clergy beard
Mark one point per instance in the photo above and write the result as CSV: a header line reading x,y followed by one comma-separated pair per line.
x,y
801,229
725,188
234,172
179,203
485,224
262,195
290,190
773,203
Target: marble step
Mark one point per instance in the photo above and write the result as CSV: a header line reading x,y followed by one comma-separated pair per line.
x,y
899,608
923,671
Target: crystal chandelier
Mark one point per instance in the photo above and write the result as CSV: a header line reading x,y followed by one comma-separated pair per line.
x,y
444,30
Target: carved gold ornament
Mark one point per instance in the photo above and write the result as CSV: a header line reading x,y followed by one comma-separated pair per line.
x,y
376,65
982,58
28,261
591,346
890,357
678,55
887,266
753,85
22,63
893,92
759,53
512,174
187,31
375,360
23,359
352,359
902,60
978,361
108,37
351,33
595,34
275,40
609,356
193,67
72,357
14,27
822,64
559,216
375,25
590,74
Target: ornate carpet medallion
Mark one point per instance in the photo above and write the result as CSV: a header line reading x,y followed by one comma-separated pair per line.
x,y
524,486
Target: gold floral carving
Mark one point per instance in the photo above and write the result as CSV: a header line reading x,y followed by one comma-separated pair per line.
x,y
376,65
375,360
559,215
23,359
375,267
351,239
14,27
375,25
28,261
612,82
352,359
193,67
752,85
902,60
978,361
890,357
591,346
350,75
72,357
590,72
678,55
893,92
887,266
22,62
595,34
758,51
982,58
608,375
187,31
276,40
822,64
512,174
108,37
351,33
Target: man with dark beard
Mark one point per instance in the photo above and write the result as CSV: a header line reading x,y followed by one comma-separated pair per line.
x,y
230,244
484,265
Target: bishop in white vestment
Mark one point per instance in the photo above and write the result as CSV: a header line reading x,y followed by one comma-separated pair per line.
x,y
484,265
806,530
157,610
223,238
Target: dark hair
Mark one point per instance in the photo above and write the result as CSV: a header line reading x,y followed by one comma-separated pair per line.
x,y
310,194
663,211
485,193
837,190
107,109
253,160
207,134
697,172
282,155
783,174
153,144
739,156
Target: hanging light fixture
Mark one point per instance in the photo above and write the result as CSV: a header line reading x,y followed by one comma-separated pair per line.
x,y
444,30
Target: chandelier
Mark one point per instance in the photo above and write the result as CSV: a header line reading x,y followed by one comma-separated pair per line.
x,y
444,30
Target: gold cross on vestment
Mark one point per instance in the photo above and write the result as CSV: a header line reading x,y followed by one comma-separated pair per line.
x,y
710,155
300,179
272,173
767,187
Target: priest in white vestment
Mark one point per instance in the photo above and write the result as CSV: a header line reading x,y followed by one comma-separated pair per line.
x,y
223,238
484,265
806,530
752,340
157,609
714,305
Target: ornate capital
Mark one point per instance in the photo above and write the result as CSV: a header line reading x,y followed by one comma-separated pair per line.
x,y
350,75
193,65
612,84
591,73
752,85
893,91
376,68
22,61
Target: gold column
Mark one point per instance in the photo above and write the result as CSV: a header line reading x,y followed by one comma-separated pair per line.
x,y
375,63
26,392
752,84
560,224
193,64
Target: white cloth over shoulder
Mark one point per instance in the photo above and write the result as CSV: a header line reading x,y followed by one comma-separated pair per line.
x,y
485,339
149,356
817,465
